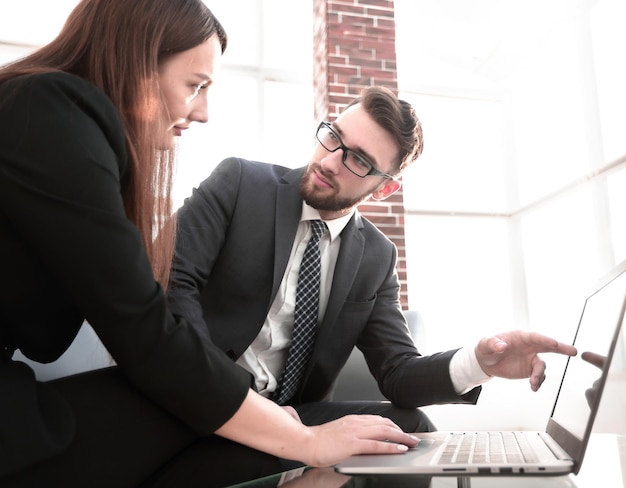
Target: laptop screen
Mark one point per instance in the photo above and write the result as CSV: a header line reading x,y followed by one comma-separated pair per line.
x,y
598,331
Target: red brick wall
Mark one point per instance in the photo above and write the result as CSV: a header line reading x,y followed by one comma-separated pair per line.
x,y
354,48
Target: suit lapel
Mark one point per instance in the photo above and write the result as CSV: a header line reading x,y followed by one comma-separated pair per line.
x,y
348,262
288,212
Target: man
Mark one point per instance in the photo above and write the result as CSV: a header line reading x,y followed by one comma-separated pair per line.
x,y
242,237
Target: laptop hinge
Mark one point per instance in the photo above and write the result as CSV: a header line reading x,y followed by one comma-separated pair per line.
x,y
557,450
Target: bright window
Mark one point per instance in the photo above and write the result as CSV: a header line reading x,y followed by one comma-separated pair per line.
x,y
262,104
518,203
515,136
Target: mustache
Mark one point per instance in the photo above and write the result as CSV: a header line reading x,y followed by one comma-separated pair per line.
x,y
316,167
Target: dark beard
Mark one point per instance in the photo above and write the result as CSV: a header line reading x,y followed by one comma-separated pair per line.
x,y
324,203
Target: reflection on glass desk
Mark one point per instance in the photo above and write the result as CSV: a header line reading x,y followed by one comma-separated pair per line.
x,y
604,466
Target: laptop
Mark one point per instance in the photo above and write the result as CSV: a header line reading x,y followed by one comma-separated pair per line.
x,y
560,448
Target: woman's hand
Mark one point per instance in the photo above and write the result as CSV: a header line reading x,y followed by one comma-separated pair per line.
x,y
262,424
355,434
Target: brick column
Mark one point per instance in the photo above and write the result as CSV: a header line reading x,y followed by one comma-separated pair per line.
x,y
355,48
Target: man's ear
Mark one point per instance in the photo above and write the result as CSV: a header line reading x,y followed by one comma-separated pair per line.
x,y
386,190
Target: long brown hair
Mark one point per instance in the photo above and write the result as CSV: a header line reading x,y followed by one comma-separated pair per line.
x,y
118,46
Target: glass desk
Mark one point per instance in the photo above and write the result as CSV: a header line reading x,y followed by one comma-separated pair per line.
x,y
604,465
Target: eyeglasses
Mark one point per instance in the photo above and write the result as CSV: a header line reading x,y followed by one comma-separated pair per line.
x,y
355,162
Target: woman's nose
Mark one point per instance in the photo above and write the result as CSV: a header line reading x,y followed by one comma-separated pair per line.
x,y
200,114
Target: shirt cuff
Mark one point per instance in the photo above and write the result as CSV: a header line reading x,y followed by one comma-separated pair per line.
x,y
465,371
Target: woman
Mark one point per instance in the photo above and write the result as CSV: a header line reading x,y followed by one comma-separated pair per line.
x,y
87,131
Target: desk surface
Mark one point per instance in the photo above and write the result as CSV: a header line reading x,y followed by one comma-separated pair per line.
x,y
604,465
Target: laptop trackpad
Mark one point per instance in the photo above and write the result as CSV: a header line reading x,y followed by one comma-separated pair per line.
x,y
420,455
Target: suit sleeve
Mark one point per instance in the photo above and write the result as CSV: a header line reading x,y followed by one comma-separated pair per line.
x,y
202,224
405,377
62,155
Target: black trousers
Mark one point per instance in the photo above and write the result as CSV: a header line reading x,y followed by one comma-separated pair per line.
x,y
124,440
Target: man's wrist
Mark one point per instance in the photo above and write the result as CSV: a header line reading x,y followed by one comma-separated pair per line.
x,y
465,371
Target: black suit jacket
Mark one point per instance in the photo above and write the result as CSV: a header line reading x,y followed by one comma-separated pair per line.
x,y
235,236
70,253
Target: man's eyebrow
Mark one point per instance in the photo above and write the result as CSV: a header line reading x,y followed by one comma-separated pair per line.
x,y
357,149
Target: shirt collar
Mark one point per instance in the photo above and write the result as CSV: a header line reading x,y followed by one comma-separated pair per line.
x,y
335,226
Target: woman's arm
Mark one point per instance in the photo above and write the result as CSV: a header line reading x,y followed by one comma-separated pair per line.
x,y
263,425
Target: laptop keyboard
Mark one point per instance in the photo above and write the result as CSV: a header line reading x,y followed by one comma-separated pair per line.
x,y
487,447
